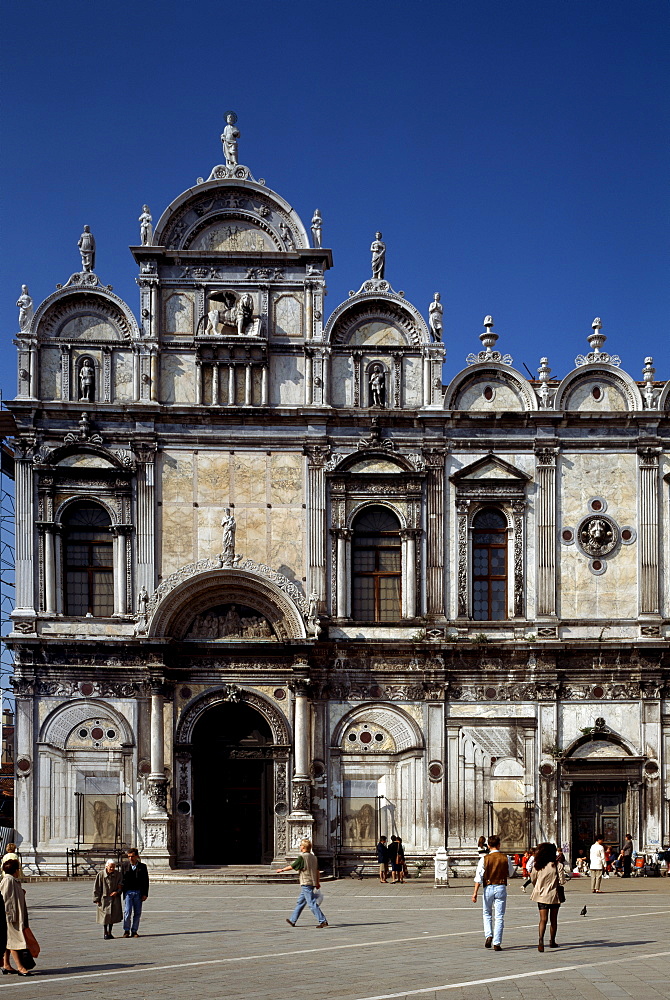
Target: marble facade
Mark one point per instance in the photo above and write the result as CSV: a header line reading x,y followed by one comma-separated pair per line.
x,y
209,691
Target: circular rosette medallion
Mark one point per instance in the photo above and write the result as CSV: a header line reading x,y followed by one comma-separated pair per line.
x,y
597,535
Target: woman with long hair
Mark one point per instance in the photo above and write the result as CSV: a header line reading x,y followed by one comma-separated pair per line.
x,y
548,878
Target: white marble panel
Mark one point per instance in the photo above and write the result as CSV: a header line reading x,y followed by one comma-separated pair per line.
x,y
50,373
412,394
504,397
177,378
178,313
123,367
287,312
287,380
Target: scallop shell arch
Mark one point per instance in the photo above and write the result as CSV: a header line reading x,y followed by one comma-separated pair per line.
x,y
399,725
71,301
194,208
606,374
492,372
59,724
388,308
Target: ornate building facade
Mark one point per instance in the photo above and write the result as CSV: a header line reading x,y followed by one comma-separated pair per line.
x,y
275,579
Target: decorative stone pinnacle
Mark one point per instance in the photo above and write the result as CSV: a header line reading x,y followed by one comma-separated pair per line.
x,y
488,338
544,371
648,371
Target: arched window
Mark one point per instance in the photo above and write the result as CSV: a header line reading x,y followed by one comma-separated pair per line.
x,y
489,566
377,566
89,561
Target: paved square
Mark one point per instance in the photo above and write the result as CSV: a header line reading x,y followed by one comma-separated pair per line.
x,y
232,941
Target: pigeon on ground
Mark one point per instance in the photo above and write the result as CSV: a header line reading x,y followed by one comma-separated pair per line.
x,y
582,912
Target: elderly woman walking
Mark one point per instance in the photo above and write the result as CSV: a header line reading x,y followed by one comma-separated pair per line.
x,y
16,911
548,878
107,897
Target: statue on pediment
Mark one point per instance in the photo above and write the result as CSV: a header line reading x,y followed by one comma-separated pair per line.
x,y
378,251
229,138
86,246
317,223
228,541
26,309
435,310
146,228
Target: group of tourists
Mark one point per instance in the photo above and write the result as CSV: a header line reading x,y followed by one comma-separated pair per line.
x,y
392,855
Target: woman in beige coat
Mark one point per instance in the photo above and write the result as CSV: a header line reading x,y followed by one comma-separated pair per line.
x,y
547,876
107,897
14,897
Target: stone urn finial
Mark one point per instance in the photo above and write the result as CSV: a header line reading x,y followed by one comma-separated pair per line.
x,y
488,338
597,339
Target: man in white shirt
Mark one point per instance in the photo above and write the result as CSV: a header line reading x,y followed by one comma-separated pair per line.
x,y
597,864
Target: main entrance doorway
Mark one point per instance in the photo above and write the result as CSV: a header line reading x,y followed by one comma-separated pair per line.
x,y
597,807
232,787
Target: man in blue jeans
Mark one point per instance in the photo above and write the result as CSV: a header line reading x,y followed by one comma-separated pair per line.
x,y
135,890
307,867
492,872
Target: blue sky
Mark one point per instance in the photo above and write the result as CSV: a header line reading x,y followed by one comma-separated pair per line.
x,y
514,154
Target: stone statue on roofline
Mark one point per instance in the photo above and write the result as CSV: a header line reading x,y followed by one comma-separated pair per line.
x,y
229,138
146,228
435,311
378,251
317,222
26,310
87,250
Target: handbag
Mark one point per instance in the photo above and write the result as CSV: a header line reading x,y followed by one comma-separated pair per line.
x,y
561,894
26,959
32,944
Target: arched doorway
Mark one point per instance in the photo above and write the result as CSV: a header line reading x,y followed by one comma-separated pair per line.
x,y
232,786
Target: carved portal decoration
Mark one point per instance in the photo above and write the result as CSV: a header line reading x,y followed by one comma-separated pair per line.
x,y
597,535
230,621
278,723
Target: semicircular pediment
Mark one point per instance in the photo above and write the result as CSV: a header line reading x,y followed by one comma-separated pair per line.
x,y
199,217
492,387
188,599
598,388
87,317
377,321
377,333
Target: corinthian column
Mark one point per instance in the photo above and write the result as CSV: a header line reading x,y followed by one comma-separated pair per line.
x,y
155,819
300,821
343,536
316,514
434,458
25,519
145,570
546,532
649,537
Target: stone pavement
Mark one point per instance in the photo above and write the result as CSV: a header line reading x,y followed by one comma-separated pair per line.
x,y
226,942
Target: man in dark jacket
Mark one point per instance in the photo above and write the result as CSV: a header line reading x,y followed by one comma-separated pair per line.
x,y
135,891
382,858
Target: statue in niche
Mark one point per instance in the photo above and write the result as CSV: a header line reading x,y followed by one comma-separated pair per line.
x,y
378,250
239,313
26,310
377,385
317,222
286,236
230,621
229,138
228,542
435,310
87,380
146,228
87,250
